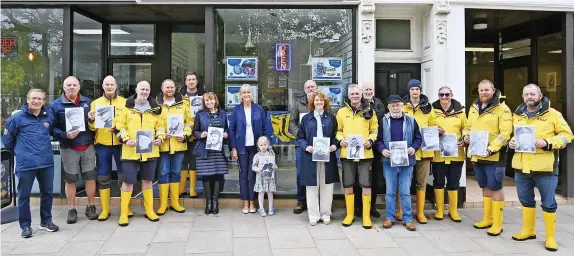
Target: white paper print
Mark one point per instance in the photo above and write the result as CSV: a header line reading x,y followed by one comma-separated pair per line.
x,y
356,150
399,153
241,68
326,69
478,143
301,115
175,125
104,116
195,104
144,140
321,149
430,138
75,119
233,95
214,138
334,93
448,145
525,137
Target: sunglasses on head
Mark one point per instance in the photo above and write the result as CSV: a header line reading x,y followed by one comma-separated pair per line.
x,y
444,94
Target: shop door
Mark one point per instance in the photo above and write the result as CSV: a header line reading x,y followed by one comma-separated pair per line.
x,y
393,78
128,73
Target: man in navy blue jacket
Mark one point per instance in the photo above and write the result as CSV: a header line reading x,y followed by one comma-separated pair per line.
x,y
27,133
396,126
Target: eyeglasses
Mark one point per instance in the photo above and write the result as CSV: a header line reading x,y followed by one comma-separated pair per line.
x,y
444,95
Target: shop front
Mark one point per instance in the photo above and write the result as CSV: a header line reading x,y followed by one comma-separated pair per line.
x,y
274,48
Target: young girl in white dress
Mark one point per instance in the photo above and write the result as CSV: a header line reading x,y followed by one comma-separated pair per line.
x,y
264,166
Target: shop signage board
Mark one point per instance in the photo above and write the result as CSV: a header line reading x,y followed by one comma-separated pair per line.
x,y
241,68
9,46
334,93
282,57
327,69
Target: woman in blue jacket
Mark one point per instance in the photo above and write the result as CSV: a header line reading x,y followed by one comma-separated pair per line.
x,y
211,164
248,123
318,177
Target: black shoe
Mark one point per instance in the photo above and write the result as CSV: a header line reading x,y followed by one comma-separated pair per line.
x,y
375,213
27,232
91,212
208,208
72,216
50,227
358,212
300,208
215,206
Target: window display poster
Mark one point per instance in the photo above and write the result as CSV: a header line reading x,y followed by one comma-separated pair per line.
x,y
327,69
334,93
241,68
233,97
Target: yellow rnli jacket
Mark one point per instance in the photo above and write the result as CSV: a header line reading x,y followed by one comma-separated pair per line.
x,y
549,125
107,136
496,118
180,107
362,121
452,121
132,120
423,114
183,93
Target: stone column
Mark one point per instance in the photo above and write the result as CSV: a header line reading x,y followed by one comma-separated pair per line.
x,y
366,42
439,22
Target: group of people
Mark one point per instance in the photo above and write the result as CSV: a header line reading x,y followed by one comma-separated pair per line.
x,y
247,131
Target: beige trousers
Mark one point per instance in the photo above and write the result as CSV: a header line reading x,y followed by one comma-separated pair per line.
x,y
320,197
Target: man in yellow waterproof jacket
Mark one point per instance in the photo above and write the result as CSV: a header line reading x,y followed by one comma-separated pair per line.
x,y
488,114
107,109
539,168
178,125
418,106
142,131
357,118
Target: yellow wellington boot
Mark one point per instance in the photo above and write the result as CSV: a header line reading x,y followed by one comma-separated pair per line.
x,y
367,224
174,198
350,202
486,221
421,218
130,212
439,200
497,216
105,201
163,193
192,181
528,225
148,205
550,223
453,206
124,208
182,181
399,211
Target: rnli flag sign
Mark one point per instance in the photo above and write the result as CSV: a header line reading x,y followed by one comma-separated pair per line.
x,y
282,57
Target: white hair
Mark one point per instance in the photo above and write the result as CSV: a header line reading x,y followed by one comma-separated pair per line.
x,y
533,86
351,86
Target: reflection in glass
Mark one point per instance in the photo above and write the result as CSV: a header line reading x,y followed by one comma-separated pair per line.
x,y
132,39
87,55
187,53
37,33
393,34
129,74
479,66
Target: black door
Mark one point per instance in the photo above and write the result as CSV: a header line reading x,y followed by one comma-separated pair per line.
x,y
393,78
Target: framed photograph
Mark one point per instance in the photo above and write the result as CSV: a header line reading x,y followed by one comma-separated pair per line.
x,y
525,136
241,68
233,96
478,143
321,149
399,153
334,93
195,104
430,138
75,119
327,69
551,82
214,138
104,116
144,140
448,145
356,150
175,125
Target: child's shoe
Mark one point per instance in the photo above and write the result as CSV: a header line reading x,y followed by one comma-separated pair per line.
x,y
262,212
271,211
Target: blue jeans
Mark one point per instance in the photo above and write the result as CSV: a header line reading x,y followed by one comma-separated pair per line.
x,y
404,176
489,175
301,190
246,174
546,185
26,179
170,167
104,155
